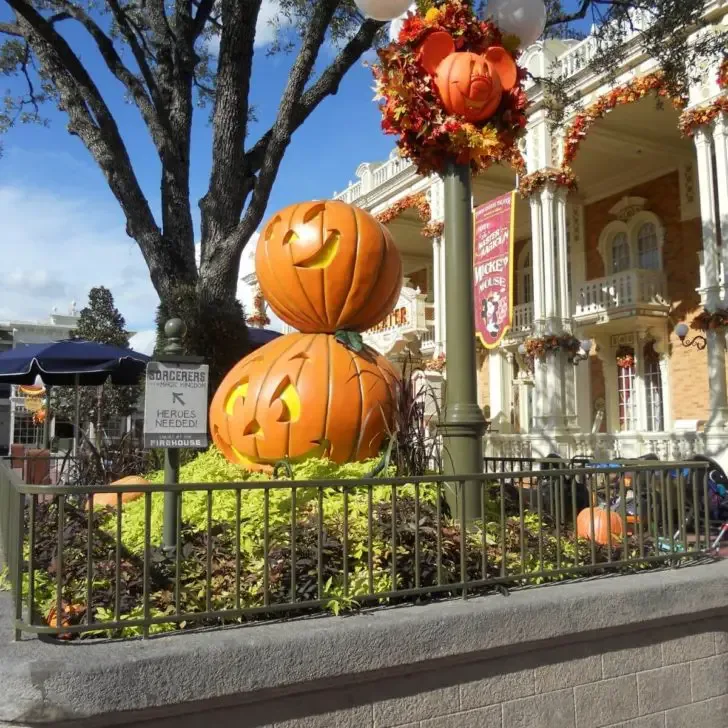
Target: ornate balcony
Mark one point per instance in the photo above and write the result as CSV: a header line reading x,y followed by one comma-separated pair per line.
x,y
522,319
630,293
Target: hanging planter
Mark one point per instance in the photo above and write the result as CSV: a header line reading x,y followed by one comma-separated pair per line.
x,y
710,320
539,347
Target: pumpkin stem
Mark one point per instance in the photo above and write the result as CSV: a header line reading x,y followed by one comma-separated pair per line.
x,y
352,340
285,466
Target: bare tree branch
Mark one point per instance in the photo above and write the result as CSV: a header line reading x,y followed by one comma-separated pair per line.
x,y
12,29
222,205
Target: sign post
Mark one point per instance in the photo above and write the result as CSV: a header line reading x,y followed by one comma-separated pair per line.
x,y
175,414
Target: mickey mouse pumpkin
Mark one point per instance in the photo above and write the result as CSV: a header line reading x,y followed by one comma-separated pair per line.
x,y
470,85
323,267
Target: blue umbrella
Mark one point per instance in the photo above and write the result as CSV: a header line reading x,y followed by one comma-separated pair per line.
x,y
72,362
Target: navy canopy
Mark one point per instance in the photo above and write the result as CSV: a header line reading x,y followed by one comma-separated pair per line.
x,y
74,361
260,337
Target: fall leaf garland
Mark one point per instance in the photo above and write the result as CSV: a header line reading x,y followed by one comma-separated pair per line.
x,y
627,93
260,318
538,347
710,320
531,183
412,109
692,119
419,203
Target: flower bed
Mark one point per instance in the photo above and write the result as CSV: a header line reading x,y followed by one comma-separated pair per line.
x,y
356,557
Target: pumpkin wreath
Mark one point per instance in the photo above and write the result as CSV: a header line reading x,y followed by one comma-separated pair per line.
x,y
450,88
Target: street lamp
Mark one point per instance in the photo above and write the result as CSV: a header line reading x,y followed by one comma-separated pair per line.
x,y
698,341
583,353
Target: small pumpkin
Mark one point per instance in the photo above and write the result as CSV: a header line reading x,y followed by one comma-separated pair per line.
x,y
110,499
470,85
603,526
301,396
327,265
69,613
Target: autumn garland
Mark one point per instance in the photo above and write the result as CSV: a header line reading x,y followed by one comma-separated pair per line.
x,y
260,317
710,320
625,357
691,119
531,183
628,93
723,74
538,347
438,364
413,111
419,203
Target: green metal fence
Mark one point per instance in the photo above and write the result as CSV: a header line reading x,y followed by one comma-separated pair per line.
x,y
257,550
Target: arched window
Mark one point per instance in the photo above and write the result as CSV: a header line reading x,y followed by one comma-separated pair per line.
x,y
626,374
620,253
648,250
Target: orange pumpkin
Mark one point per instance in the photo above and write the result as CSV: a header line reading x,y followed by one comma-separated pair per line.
x,y
301,396
470,85
68,613
325,266
602,526
110,499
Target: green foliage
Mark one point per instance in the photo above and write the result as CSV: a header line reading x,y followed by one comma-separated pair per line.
x,y
101,322
4,579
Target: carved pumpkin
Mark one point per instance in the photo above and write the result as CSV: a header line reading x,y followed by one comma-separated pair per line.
x,y
105,500
470,85
325,266
602,526
301,396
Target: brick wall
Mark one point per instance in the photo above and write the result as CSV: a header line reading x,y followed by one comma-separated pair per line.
x,y
683,241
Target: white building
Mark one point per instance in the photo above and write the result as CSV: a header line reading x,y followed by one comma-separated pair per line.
x,y
622,260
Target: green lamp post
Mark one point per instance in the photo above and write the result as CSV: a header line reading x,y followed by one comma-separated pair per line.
x,y
462,424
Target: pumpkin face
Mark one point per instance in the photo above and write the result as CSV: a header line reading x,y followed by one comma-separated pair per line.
x,y
325,266
301,396
602,526
470,85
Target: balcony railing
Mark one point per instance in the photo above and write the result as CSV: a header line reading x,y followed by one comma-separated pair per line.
x,y
522,318
633,288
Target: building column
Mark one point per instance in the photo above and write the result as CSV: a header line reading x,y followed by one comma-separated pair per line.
x,y
550,280
563,258
711,264
438,298
536,266
720,141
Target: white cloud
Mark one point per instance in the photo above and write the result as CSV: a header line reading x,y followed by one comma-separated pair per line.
x,y
57,246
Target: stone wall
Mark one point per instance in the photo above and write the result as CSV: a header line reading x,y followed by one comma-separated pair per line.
x,y
635,651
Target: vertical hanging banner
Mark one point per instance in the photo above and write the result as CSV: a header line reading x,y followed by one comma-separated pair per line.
x,y
493,268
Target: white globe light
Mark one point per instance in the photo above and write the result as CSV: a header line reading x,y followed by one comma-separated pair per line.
x,y
383,9
395,26
524,18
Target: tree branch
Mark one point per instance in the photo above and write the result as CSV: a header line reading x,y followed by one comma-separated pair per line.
x,y
12,29
91,120
223,202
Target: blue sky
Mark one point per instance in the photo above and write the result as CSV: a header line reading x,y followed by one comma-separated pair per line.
x,y
62,230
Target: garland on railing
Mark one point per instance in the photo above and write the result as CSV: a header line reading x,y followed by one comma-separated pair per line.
x,y
699,116
438,364
419,203
536,180
710,320
538,347
625,357
260,318
628,93
723,74
413,110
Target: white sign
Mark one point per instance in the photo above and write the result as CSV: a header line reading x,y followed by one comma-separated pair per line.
x,y
408,317
175,405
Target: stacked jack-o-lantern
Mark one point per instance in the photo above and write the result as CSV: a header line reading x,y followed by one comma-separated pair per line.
x,y
330,270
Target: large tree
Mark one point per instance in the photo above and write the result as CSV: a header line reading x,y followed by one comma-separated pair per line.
x,y
158,52
99,321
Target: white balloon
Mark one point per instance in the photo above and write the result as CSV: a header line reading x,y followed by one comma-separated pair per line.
x,y
395,26
524,18
382,9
